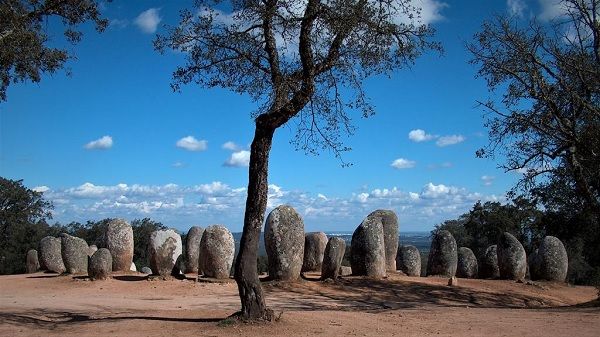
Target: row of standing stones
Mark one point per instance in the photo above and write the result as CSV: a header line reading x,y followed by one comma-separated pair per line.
x,y
290,252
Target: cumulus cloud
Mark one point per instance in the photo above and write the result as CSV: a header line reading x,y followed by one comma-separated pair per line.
x,y
231,146
190,143
487,180
178,164
431,10
106,142
516,7
41,189
402,163
419,135
238,159
148,20
450,140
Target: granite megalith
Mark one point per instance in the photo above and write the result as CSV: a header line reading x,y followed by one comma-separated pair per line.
x,y
389,220
332,258
74,252
217,249
466,266
550,262
32,262
512,259
314,249
50,255
443,255
367,249
488,264
164,249
119,241
100,265
284,243
408,260
192,249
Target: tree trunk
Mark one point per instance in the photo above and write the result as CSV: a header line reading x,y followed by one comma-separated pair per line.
x,y
246,274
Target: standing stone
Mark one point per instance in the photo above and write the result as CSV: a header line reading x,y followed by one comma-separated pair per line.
x,y
389,220
74,252
163,250
314,248
332,258
442,255
119,241
367,250
100,265
192,249
92,249
50,254
467,263
408,260
551,261
33,264
217,248
488,267
284,243
512,259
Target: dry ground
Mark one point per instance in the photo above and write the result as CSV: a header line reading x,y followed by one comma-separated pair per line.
x,y
131,305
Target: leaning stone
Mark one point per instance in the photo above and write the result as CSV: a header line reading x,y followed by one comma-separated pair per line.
x,y
551,261
146,270
314,248
389,220
512,259
284,243
92,249
217,248
164,248
33,264
332,258
192,249
119,241
100,265
442,255
74,252
50,255
488,266
408,260
467,263
367,249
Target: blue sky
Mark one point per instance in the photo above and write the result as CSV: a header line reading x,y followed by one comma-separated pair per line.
x,y
113,140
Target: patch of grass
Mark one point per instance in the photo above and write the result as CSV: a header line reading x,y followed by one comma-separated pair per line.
x,y
226,322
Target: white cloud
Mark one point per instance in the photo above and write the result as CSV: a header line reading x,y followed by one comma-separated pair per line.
x,y
178,164
41,189
516,7
487,180
551,9
450,140
106,142
402,163
238,159
431,10
419,135
190,143
148,20
231,146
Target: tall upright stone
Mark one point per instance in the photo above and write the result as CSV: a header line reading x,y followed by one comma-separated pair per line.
x,y
192,249
100,265
163,250
217,249
389,220
332,258
32,264
551,262
467,263
119,241
408,260
51,255
443,255
284,243
74,252
488,264
367,250
314,248
512,259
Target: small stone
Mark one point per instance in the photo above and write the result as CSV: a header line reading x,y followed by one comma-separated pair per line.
x,y
74,253
100,265
453,281
332,258
146,270
488,268
314,249
284,243
33,264
50,255
443,256
133,267
467,263
192,249
408,260
217,249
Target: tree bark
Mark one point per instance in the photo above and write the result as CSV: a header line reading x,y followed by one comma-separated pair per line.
x,y
246,274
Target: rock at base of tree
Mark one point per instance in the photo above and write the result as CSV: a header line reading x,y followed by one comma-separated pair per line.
x,y
32,264
192,249
164,249
332,258
408,260
367,249
51,255
467,263
217,249
443,255
119,241
284,243
488,266
92,249
74,252
550,262
453,281
512,259
146,270
314,249
100,265
389,220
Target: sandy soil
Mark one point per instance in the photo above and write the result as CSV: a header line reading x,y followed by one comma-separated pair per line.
x,y
131,305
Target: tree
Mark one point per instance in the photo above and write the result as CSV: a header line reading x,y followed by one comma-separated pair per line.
x,y
303,59
547,122
23,215
25,51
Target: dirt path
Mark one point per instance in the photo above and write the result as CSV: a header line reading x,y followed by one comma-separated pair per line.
x,y
130,305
